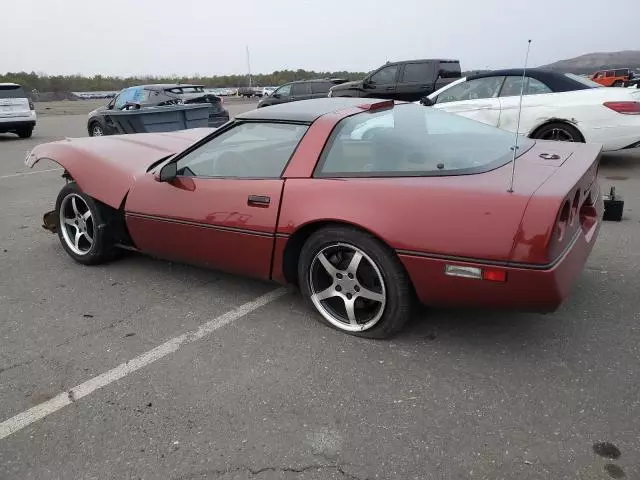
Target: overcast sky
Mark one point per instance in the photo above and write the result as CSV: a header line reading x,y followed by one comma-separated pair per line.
x,y
184,37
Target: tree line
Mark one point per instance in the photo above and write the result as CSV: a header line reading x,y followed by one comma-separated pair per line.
x,y
81,83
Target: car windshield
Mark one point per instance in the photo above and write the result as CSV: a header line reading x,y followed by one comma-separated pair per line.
x,y
583,80
412,140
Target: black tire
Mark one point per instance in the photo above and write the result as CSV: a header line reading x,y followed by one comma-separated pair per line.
x,y
25,132
558,129
102,248
94,127
397,288
618,83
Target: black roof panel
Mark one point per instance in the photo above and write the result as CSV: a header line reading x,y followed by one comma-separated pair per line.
x,y
304,110
557,82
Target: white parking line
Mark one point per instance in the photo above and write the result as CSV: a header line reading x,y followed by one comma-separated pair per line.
x,y
29,173
63,399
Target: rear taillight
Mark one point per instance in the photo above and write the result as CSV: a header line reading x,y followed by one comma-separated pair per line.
x,y
626,108
31,105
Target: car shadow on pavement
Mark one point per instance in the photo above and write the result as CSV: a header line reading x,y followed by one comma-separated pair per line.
x,y
8,137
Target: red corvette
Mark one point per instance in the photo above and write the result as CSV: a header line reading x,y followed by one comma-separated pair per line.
x,y
366,204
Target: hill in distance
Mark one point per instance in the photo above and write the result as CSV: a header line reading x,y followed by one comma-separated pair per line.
x,y
591,62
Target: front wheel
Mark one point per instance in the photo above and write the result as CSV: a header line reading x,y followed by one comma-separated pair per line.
x,y
95,130
82,229
355,282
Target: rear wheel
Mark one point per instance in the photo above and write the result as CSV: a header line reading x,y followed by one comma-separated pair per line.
x,y
82,228
618,83
355,282
561,132
25,132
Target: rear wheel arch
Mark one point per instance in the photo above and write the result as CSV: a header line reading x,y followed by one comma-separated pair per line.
x,y
551,121
297,240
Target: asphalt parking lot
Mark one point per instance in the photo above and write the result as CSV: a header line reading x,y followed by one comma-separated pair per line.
x,y
264,391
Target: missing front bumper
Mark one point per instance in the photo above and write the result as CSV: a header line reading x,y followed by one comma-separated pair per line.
x,y
50,221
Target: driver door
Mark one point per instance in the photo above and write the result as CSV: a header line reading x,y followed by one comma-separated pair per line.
x,y
382,84
476,99
221,210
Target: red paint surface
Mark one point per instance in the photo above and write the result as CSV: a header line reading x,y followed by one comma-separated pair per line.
x,y
209,222
216,206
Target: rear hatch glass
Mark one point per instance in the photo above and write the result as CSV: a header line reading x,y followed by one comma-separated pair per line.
x,y
12,91
13,101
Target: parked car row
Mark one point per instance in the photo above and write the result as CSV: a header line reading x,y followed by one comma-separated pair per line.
x,y
555,106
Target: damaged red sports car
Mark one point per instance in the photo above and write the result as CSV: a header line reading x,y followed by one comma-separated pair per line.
x,y
366,204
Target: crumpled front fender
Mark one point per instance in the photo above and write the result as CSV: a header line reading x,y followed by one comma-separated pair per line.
x,y
97,178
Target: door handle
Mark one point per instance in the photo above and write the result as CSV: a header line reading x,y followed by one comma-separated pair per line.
x,y
390,88
258,201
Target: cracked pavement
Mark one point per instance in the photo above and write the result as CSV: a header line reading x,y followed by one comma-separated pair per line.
x,y
277,395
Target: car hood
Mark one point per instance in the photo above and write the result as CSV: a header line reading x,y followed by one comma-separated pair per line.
x,y
136,152
106,167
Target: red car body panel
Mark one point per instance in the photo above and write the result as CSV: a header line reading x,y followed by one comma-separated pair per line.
x,y
106,167
206,221
431,222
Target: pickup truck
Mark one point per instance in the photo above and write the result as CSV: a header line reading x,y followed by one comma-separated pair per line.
x,y
408,80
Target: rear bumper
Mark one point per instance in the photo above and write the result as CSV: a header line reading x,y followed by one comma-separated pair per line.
x,y
531,289
618,135
10,125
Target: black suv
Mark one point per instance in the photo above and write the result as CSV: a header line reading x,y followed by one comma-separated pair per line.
x,y
156,95
409,80
300,90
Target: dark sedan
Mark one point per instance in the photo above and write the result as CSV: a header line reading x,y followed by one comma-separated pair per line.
x,y
156,95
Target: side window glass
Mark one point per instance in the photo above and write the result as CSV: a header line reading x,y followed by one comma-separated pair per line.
x,y
301,89
130,95
475,89
416,73
249,150
320,87
284,91
512,86
385,76
121,99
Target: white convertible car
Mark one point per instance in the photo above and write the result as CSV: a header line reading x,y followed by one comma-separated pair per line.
x,y
556,106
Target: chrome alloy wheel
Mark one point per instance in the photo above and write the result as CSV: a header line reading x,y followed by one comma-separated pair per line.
x,y
76,223
558,134
96,130
347,287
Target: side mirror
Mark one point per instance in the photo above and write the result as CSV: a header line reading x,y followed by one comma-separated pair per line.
x,y
168,172
366,83
426,101
276,95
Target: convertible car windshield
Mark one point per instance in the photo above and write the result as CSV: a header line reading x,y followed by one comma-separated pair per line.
x,y
412,140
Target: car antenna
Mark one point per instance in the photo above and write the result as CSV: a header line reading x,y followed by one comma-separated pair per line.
x,y
515,147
